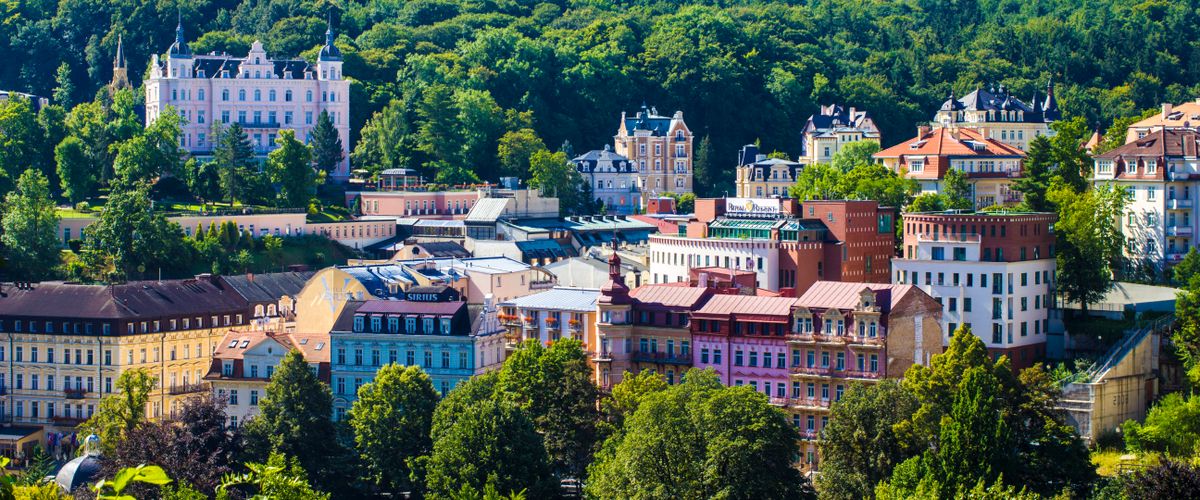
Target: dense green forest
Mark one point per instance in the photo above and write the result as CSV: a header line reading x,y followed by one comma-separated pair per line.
x,y
468,71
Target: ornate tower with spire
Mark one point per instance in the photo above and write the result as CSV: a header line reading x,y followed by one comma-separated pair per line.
x,y
613,326
120,78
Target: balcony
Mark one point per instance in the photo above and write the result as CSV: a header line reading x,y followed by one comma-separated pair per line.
x,y
1178,176
780,402
1178,204
176,390
810,403
1172,256
865,375
949,237
801,338
665,358
815,371
74,393
67,421
509,320
1179,230
809,435
602,356
865,341
575,326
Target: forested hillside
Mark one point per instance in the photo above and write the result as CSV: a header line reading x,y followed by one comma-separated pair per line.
x,y
463,72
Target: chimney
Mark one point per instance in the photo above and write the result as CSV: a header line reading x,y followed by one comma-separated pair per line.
x,y
1166,109
922,130
250,277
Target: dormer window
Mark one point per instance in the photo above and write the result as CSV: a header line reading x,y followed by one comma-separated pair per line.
x,y
200,73
358,323
227,369
376,323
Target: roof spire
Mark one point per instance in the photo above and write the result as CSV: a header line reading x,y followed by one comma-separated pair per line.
x,y
179,48
119,60
329,26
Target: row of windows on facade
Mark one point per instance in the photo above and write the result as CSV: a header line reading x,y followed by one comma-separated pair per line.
x,y
80,359
960,253
231,398
1148,166
326,73
1039,302
410,358
79,387
693,260
429,326
803,392
963,231
1039,278
254,119
425,207
999,330
1152,219
355,230
35,410
863,362
287,231
867,328
681,150
31,326
182,95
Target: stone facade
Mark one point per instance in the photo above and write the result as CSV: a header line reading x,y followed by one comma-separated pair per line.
x,y
661,149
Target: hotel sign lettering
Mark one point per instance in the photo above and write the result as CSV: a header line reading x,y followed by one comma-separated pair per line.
x,y
757,207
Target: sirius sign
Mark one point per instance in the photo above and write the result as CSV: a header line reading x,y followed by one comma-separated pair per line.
x,y
752,207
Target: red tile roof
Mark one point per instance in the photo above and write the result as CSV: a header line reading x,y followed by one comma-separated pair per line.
x,y
314,346
748,304
669,295
945,142
843,295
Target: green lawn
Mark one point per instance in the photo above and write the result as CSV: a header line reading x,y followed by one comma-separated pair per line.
x,y
71,213
1110,462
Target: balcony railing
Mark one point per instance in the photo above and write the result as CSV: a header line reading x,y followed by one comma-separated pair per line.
x,y
74,393
1172,256
783,402
870,375
661,357
813,370
1178,176
187,389
600,356
539,285
810,403
1179,230
809,435
805,337
67,421
1178,204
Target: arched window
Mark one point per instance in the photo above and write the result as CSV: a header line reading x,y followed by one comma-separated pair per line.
x,y
225,94
287,96
271,96
257,95
258,311
308,96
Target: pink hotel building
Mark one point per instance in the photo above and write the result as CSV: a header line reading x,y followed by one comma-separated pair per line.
x,y
261,94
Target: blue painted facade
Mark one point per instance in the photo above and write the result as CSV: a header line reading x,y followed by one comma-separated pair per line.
x,y
435,336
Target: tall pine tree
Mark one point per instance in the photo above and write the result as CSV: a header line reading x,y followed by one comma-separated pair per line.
x,y
326,144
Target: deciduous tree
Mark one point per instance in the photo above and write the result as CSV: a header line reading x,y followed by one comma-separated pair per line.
x,y
865,440
296,420
122,412
75,170
29,240
392,420
290,167
699,439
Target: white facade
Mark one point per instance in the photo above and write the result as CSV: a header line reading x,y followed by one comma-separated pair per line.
x,y
263,95
672,257
1006,304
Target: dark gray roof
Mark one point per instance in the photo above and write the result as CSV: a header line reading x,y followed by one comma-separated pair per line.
x,y
444,249
269,287
136,299
647,119
588,161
